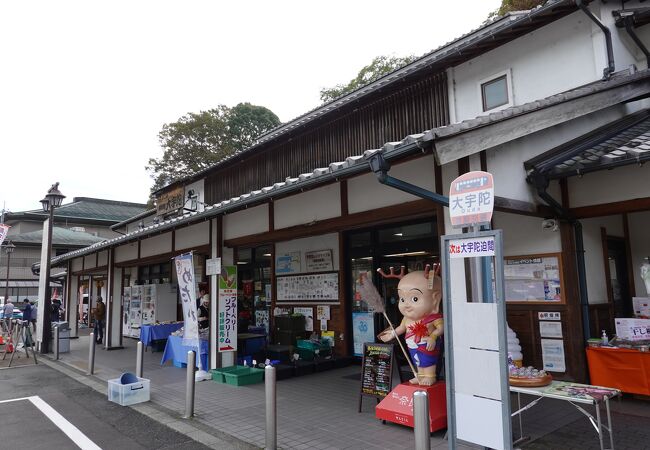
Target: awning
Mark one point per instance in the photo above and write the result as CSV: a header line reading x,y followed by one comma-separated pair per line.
x,y
624,142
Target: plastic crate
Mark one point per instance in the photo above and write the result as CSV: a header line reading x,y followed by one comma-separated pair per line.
x,y
218,374
243,376
128,394
306,354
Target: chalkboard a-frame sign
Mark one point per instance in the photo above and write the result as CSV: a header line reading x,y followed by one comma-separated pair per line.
x,y
377,370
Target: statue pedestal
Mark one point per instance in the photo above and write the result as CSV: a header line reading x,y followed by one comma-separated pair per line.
x,y
397,407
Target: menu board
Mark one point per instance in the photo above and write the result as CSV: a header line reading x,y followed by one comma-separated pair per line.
x,y
534,278
321,288
377,369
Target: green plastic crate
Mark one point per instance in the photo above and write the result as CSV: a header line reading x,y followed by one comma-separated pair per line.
x,y
243,376
218,374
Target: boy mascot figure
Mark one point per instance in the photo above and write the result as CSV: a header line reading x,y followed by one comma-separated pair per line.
x,y
420,294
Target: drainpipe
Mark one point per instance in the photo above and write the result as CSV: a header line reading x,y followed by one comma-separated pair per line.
x,y
380,167
541,185
609,70
628,20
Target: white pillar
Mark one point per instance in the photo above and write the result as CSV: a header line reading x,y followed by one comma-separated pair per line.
x,y
73,302
214,304
42,285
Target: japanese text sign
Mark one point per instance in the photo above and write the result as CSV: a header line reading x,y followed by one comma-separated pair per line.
x,y
471,247
4,229
633,329
187,288
227,338
471,199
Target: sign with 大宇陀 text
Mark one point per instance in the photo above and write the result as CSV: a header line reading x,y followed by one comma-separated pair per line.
x,y
471,247
170,201
471,199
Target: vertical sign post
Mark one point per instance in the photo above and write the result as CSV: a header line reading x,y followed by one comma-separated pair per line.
x,y
227,340
478,408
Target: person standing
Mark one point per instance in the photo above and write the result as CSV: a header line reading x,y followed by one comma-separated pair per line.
x,y
34,316
8,311
100,318
56,310
27,311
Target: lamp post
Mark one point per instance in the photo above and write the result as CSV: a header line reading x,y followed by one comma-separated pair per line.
x,y
9,248
52,200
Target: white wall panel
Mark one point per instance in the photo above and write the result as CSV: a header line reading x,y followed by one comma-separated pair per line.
x,y
245,222
316,204
77,264
126,252
607,186
523,235
90,261
192,236
156,245
366,193
103,258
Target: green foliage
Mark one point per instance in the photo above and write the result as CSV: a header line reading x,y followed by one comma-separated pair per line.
x,y
379,67
198,140
515,5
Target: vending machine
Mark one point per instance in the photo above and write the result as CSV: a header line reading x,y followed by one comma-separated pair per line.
x,y
159,303
135,311
126,301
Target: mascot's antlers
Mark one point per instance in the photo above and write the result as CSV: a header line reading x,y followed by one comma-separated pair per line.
x,y
427,270
392,274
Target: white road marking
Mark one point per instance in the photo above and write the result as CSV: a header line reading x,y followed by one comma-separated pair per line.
x,y
75,435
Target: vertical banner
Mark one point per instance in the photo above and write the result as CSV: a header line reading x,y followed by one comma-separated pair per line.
x,y
228,309
4,229
187,289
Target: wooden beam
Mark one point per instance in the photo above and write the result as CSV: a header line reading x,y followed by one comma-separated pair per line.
x,y
343,188
490,135
564,189
511,205
271,216
610,209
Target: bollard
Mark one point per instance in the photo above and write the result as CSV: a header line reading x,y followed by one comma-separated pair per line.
x,y
91,355
139,360
189,385
271,410
421,420
56,342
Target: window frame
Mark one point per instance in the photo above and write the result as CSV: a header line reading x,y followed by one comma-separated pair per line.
x,y
495,77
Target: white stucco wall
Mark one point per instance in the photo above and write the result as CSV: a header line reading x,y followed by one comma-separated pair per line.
x,y
192,236
366,193
316,204
607,186
156,245
245,222
553,59
90,261
77,264
594,263
523,235
126,252
323,242
639,224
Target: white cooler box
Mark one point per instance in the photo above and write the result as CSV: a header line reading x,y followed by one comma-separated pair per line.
x,y
128,394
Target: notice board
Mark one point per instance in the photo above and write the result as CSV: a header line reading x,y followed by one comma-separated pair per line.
x,y
377,370
534,278
317,288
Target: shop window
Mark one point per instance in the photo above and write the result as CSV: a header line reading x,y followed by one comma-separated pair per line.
x,y
154,274
254,288
495,93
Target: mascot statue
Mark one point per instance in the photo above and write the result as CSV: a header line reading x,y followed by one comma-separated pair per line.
x,y
420,294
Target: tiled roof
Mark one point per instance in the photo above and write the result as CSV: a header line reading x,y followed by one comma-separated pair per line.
x,y
492,33
626,141
60,237
86,208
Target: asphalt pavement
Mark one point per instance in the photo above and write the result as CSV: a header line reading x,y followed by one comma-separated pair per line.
x,y
41,408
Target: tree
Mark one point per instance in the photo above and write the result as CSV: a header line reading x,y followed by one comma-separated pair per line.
x,y
379,67
515,5
199,140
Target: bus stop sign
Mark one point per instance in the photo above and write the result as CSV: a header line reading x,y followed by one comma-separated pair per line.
x,y
471,199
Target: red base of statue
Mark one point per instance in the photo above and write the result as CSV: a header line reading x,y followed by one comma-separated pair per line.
x,y
397,407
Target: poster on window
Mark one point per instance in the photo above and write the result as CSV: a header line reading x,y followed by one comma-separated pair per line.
x,y
227,312
187,289
319,261
535,278
287,263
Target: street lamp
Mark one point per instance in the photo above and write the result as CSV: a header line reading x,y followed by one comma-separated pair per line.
x,y
52,200
9,248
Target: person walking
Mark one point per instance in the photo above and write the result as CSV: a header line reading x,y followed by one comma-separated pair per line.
x,y
100,318
28,310
8,312
34,316
56,310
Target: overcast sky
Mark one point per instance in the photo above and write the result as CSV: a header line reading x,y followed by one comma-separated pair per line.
x,y
86,86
